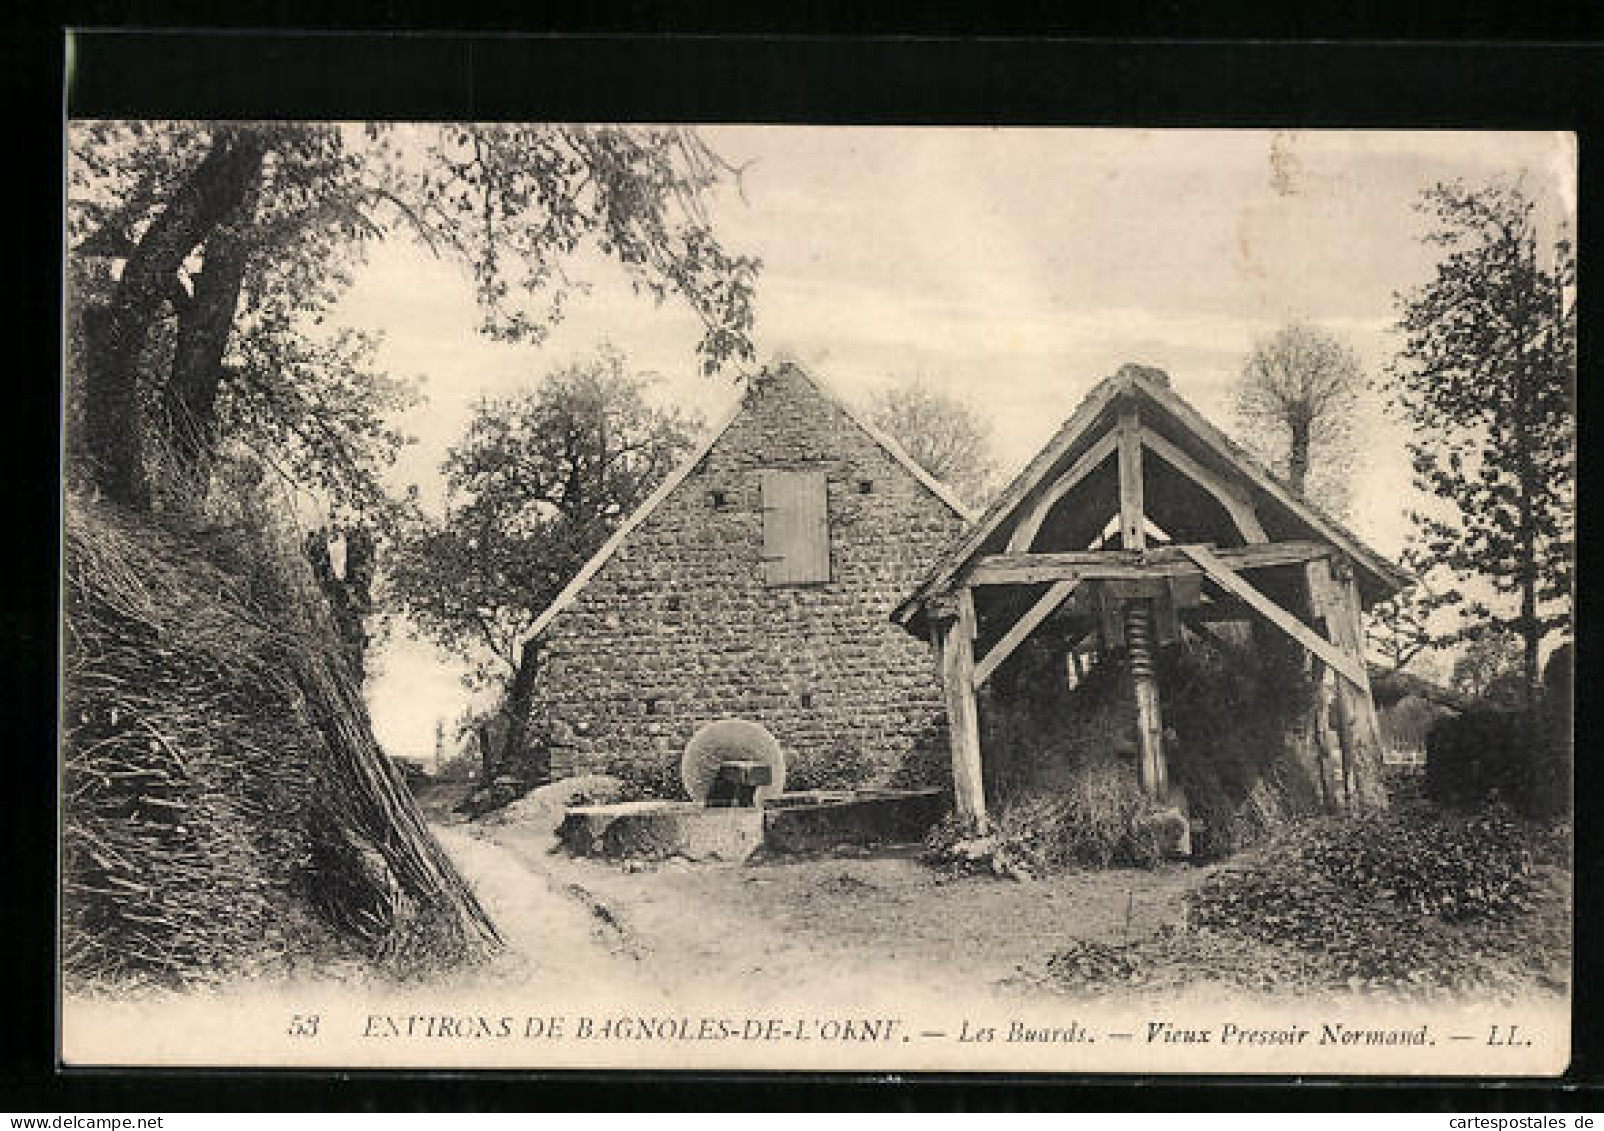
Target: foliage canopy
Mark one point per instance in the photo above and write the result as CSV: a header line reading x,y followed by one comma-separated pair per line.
x,y
536,484
1295,403
940,433
206,258
1486,380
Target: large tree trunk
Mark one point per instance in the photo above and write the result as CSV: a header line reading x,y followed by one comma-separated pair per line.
x,y
1298,456
112,436
1531,629
204,326
117,334
487,754
534,764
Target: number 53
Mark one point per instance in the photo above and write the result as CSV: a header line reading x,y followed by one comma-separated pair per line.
x,y
302,1025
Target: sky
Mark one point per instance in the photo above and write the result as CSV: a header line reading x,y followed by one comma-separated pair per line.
x,y
1013,268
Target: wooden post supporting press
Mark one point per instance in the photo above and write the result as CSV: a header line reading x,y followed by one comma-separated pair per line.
x,y
955,639
1334,598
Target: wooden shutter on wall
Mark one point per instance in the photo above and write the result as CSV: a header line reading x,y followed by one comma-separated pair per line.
x,y
796,528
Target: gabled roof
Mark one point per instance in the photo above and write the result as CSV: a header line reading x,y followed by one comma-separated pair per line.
x,y
935,486
656,499
1150,388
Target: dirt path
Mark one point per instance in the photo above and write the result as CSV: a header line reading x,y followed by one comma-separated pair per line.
x,y
836,941
557,934
816,929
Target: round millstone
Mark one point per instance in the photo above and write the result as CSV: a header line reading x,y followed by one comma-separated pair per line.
x,y
730,740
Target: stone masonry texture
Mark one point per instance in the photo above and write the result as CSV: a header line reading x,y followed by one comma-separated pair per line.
x,y
678,628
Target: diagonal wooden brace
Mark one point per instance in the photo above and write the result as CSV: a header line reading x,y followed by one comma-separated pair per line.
x,y
1023,627
1349,666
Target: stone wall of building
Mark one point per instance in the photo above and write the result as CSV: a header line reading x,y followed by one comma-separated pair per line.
x,y
678,627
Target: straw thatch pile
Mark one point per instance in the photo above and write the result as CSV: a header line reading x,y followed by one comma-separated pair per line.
x,y
225,806
1061,764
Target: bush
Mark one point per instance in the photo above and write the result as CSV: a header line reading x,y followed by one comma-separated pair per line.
x,y
656,780
1406,784
1487,755
841,765
949,845
1411,901
1377,897
1420,860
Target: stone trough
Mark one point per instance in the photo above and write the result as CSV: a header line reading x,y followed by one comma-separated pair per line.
x,y
734,773
821,819
799,822
658,830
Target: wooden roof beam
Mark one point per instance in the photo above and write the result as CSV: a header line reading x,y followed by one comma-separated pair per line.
x,y
1030,521
1165,561
1194,421
1237,503
1132,503
1006,512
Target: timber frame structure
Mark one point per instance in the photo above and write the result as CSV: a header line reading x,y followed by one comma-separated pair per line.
x,y
1140,521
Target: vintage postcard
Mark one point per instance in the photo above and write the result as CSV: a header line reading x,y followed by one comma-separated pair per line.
x,y
852,599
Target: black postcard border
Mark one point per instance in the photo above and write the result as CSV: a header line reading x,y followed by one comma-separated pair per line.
x,y
808,78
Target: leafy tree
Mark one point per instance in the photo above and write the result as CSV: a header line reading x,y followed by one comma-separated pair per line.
x,y
1486,380
1489,668
1399,628
942,434
205,256
536,485
1295,402
196,244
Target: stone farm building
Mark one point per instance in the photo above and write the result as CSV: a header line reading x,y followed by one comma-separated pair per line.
x,y
757,582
